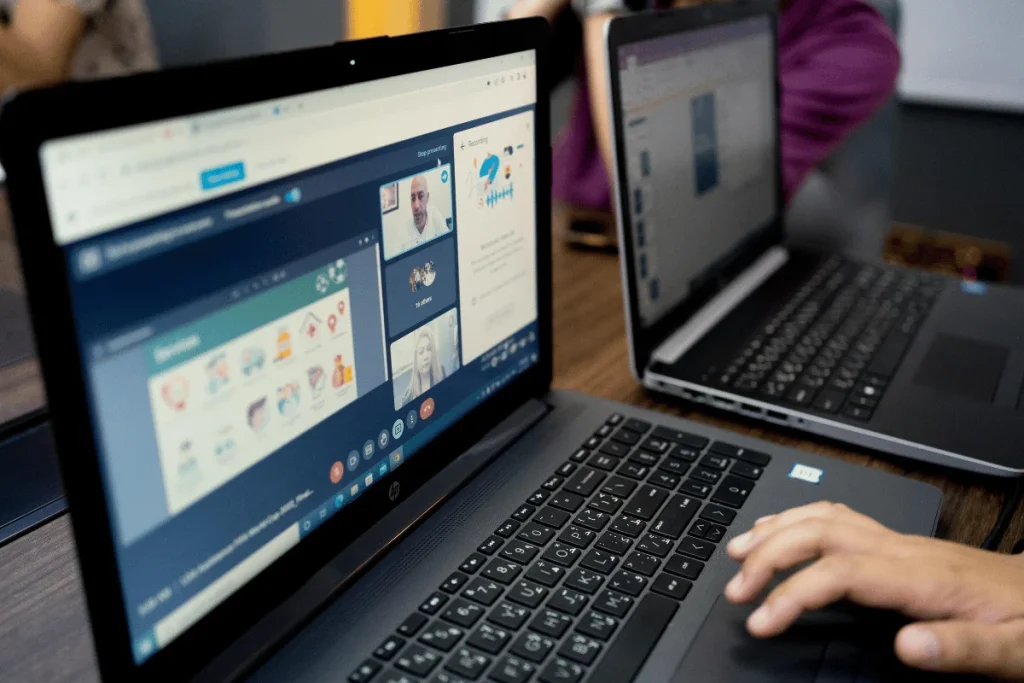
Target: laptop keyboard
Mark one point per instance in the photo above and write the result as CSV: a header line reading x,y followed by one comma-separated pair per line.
x,y
582,579
834,347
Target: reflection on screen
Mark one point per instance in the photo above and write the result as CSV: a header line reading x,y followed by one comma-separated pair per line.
x,y
296,316
699,125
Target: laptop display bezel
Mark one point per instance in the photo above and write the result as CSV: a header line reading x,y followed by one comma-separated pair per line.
x,y
645,26
33,118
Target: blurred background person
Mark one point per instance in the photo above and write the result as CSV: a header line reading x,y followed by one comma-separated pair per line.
x,y
838,63
48,41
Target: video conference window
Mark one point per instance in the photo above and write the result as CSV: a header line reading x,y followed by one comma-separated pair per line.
x,y
420,286
425,357
416,210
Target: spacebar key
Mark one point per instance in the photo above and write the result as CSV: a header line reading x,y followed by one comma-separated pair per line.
x,y
628,653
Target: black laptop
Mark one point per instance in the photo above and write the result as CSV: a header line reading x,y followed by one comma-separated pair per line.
x,y
722,311
294,316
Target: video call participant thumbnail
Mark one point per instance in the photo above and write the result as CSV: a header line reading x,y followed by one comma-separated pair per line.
x,y
427,216
425,357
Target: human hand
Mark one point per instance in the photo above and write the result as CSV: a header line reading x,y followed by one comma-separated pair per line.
x,y
968,603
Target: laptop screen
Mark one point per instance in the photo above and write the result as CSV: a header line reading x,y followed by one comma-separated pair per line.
x,y
699,122
280,303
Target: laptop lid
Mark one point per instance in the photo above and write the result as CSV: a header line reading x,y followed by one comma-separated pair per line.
x,y
267,291
694,100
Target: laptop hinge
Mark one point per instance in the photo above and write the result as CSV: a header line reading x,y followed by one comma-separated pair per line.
x,y
712,313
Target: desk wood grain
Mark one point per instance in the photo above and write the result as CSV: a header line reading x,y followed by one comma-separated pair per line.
x,y
44,635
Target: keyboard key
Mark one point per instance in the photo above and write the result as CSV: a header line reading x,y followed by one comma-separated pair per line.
x,y
646,502
684,453
551,623
454,582
532,646
676,436
604,430
606,502
527,593
733,492
619,487
800,395
706,476
858,413
580,456
603,461
676,515
577,536
520,551
567,468
564,500
593,442
644,459
482,591
552,483
538,497
462,613
417,660
671,586
629,583
584,580
635,641
592,519
545,573
636,425
561,670
674,467
585,481
745,469
507,529
389,648
536,534
614,543
629,526
489,638
600,561
508,615
442,636
472,563
615,604
580,648
491,545
550,517
641,563
696,547
433,603
502,571
656,445
718,514
664,479
863,402
465,662
715,533
614,419
693,487
412,624
715,461
684,567
560,553
655,545
512,670
523,513
569,601
830,400
615,449
753,457
365,672
626,437
633,471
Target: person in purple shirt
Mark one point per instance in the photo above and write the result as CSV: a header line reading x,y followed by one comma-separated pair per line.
x,y
838,63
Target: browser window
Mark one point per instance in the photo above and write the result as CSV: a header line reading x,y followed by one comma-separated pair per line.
x,y
279,304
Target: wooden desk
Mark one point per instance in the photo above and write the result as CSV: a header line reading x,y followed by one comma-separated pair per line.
x,y
44,635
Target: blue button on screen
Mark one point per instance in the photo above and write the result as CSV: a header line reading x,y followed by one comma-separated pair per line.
x,y
223,175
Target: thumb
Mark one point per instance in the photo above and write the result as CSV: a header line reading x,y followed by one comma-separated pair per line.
x,y
964,647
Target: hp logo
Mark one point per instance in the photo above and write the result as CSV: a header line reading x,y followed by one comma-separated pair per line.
x,y
393,492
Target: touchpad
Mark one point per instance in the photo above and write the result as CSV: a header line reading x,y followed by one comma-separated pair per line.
x,y
963,367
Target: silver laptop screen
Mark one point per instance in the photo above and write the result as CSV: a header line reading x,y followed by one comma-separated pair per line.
x,y
699,123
